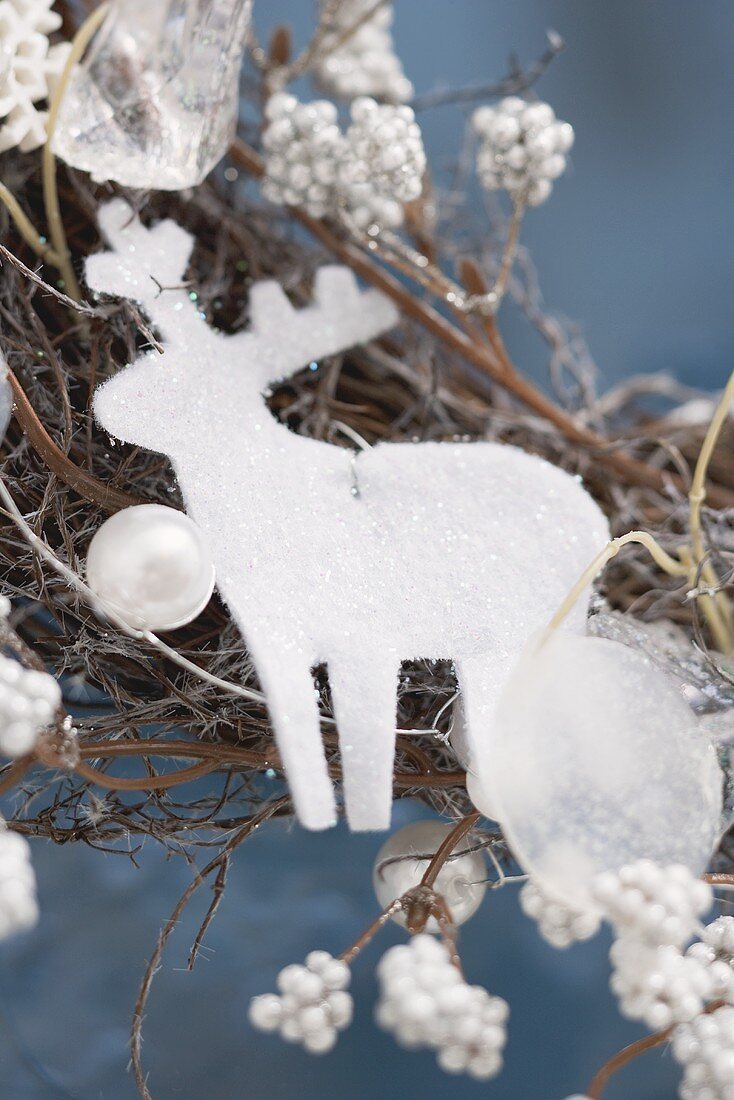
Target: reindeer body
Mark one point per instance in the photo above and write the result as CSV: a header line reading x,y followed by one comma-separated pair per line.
x,y
434,550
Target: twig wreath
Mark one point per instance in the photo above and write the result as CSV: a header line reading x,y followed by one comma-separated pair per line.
x,y
280,511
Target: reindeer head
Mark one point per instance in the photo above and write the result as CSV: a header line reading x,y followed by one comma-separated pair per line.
x,y
153,401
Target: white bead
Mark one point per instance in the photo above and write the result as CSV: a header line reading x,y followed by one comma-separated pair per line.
x,y
289,978
265,1012
341,1007
152,566
318,961
320,1042
335,975
397,870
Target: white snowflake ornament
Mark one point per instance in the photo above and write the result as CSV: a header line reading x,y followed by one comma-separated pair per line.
x,y
29,70
359,561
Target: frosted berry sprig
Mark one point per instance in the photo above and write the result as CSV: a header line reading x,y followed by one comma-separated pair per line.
x,y
313,1006
383,163
28,702
366,62
557,923
303,146
522,148
705,1047
425,1002
657,905
658,985
369,173
18,905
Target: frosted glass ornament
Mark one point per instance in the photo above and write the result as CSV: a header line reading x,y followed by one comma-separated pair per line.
x,y
461,881
152,565
596,761
360,561
154,104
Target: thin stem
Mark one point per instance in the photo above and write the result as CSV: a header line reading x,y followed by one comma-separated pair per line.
x,y
697,494
26,228
81,481
371,931
222,754
716,607
664,560
155,960
147,782
446,848
629,1053
50,190
510,249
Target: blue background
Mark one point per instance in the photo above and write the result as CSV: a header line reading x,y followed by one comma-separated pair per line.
x,y
636,243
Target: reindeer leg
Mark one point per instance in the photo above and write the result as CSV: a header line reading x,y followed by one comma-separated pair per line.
x,y
291,696
481,680
364,695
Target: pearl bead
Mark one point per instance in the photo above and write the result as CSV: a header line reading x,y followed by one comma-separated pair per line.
x,y
460,881
151,565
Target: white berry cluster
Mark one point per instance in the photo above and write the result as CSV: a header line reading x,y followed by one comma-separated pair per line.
x,y
658,905
29,70
557,923
383,164
715,950
369,172
313,1005
705,1047
18,905
522,148
655,911
303,145
366,63
425,1002
28,702
658,985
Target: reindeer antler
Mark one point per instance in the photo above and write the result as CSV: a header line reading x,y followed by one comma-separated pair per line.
x,y
142,260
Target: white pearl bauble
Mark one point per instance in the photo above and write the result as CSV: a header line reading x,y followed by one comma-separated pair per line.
x,y
461,881
594,761
152,566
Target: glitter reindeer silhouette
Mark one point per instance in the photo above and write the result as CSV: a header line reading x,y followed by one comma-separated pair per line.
x,y
404,551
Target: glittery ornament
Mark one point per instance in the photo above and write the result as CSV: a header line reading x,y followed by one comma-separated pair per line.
x,y
154,104
595,762
360,561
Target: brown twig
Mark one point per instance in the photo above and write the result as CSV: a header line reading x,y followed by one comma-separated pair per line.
x,y
629,1053
84,483
492,361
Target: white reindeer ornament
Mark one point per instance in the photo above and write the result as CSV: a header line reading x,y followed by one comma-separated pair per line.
x,y
413,550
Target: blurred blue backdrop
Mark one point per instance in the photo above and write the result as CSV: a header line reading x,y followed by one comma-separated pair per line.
x,y
636,243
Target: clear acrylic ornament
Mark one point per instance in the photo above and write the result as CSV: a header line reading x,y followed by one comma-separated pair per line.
x,y
154,104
